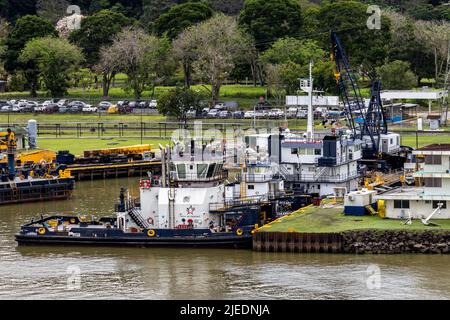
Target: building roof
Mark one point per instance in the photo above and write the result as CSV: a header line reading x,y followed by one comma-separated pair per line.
x,y
435,147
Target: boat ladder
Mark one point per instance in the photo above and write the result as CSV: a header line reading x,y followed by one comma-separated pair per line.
x,y
137,218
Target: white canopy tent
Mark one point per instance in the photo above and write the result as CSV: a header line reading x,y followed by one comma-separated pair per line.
x,y
429,95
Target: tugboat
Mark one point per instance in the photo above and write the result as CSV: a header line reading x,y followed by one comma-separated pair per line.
x,y
191,203
26,184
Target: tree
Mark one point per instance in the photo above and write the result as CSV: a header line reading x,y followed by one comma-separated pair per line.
x,y
145,59
52,10
229,7
25,29
268,21
397,75
3,35
436,38
288,59
176,102
406,46
185,51
180,17
218,43
55,59
365,48
96,31
108,67
152,9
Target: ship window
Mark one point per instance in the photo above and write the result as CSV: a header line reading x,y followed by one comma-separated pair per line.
x,y
211,170
436,202
251,187
317,152
431,159
181,170
294,151
433,182
401,204
201,170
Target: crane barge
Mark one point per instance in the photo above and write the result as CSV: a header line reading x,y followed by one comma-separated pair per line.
x,y
381,149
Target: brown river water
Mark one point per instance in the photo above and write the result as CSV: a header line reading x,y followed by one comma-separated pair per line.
x,y
148,273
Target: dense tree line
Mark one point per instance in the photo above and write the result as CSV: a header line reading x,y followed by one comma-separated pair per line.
x,y
156,42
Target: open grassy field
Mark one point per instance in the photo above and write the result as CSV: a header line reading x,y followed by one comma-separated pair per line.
x,y
77,146
319,220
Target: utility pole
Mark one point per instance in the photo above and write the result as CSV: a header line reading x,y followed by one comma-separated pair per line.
x,y
307,86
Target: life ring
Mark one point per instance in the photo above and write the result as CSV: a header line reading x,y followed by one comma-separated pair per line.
x,y
151,233
41,231
239,232
72,220
150,220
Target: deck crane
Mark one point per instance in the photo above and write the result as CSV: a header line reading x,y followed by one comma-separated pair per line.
x,y
366,123
349,91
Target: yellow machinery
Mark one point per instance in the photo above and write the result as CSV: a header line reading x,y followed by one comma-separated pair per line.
x,y
36,156
136,149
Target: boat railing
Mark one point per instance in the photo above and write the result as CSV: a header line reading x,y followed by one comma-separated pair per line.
x,y
254,177
247,201
198,177
321,178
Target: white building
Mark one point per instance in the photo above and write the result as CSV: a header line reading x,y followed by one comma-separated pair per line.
x,y
433,190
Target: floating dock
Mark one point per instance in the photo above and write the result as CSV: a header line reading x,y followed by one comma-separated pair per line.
x,y
113,170
36,190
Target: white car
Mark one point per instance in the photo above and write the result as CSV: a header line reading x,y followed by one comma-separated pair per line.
x,y
249,114
153,104
213,113
276,113
104,105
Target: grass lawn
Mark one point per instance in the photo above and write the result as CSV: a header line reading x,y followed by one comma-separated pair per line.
x,y
77,146
67,117
423,140
319,220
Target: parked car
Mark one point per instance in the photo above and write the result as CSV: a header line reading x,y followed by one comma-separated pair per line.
x,y
63,102
220,106
52,107
153,104
249,114
191,114
29,107
63,109
144,104
104,105
133,104
276,114
204,112
77,106
291,112
302,114
238,114
213,113
6,108
262,114
224,114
